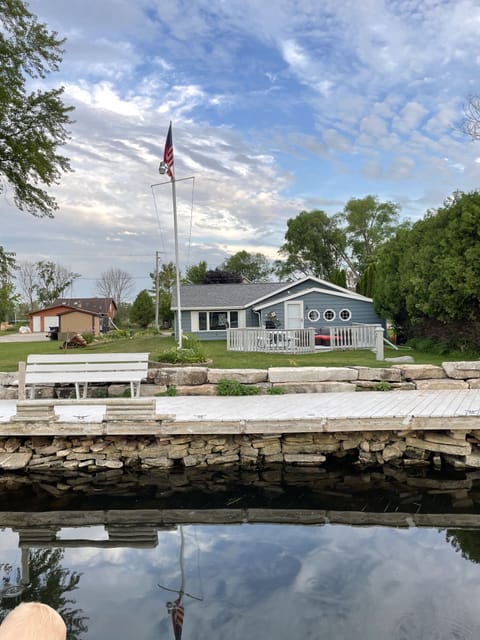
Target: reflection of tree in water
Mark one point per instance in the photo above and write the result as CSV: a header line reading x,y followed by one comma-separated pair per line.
x,y
466,541
49,583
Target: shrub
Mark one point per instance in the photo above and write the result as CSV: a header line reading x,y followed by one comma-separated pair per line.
x,y
382,386
171,391
118,334
227,387
191,351
276,391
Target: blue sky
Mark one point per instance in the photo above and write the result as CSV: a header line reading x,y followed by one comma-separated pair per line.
x,y
277,107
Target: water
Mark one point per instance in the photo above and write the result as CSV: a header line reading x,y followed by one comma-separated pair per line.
x,y
111,563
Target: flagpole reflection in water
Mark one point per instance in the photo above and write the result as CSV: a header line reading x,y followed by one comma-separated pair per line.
x,y
176,609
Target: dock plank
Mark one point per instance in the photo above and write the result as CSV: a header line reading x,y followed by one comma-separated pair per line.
x,y
332,411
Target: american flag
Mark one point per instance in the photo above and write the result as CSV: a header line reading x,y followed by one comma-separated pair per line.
x,y
177,612
168,153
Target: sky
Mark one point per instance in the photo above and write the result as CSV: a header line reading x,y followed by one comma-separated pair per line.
x,y
276,107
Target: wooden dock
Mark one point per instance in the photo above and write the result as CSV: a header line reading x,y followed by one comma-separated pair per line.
x,y
314,412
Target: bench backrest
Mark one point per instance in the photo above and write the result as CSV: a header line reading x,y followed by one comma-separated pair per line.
x,y
93,367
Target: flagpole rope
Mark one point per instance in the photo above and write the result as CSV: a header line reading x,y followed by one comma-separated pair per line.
x,y
162,239
191,224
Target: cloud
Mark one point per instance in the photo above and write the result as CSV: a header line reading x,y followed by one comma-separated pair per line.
x,y
275,110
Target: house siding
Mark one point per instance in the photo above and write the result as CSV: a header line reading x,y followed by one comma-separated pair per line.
x,y
361,311
78,322
312,293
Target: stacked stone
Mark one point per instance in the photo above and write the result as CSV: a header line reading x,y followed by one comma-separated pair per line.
x,y
460,449
203,380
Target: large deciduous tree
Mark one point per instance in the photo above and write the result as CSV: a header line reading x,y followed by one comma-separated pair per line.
x,y
340,248
368,223
52,281
33,123
143,309
163,282
195,274
26,277
254,267
314,245
114,283
49,582
427,276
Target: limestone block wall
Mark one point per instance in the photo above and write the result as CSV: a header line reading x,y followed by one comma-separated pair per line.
x,y
395,449
194,380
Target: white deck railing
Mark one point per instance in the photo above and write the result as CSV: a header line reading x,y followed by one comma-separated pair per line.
x,y
361,336
357,336
277,340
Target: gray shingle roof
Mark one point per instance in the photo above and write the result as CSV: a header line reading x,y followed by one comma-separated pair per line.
x,y
96,305
231,296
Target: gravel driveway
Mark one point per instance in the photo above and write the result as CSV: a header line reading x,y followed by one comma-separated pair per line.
x,y
24,337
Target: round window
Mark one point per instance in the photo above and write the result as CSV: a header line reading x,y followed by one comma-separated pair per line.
x,y
345,314
329,315
313,315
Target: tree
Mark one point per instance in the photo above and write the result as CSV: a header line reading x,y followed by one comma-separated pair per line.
x,y
52,280
26,277
143,309
254,267
196,273
32,123
50,583
219,276
466,542
167,276
471,118
114,283
314,245
428,275
368,224
390,281
7,289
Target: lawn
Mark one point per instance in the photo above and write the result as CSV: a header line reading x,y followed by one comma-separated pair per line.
x,y
218,356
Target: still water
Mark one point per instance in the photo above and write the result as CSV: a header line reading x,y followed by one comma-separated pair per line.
x,y
145,568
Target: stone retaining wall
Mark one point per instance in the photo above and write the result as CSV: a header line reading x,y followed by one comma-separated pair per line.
x,y
203,380
436,449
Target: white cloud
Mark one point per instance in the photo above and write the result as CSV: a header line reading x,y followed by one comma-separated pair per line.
x,y
274,110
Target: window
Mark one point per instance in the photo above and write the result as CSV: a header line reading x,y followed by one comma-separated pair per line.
x,y
314,315
345,315
217,320
329,315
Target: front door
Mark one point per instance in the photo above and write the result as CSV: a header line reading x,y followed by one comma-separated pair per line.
x,y
294,315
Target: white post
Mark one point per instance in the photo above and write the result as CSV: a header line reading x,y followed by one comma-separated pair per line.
x,y
379,353
157,292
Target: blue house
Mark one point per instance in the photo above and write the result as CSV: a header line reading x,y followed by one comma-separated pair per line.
x,y
209,309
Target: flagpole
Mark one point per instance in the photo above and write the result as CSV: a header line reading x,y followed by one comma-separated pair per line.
x,y
177,265
167,166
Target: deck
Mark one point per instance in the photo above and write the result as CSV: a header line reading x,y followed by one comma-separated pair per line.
x,y
315,412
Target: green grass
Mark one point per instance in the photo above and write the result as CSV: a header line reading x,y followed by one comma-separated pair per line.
x,y
218,356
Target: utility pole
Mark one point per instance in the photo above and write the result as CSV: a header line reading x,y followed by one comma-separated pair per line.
x,y
157,290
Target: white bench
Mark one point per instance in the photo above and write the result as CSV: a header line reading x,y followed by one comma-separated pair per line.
x,y
81,369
